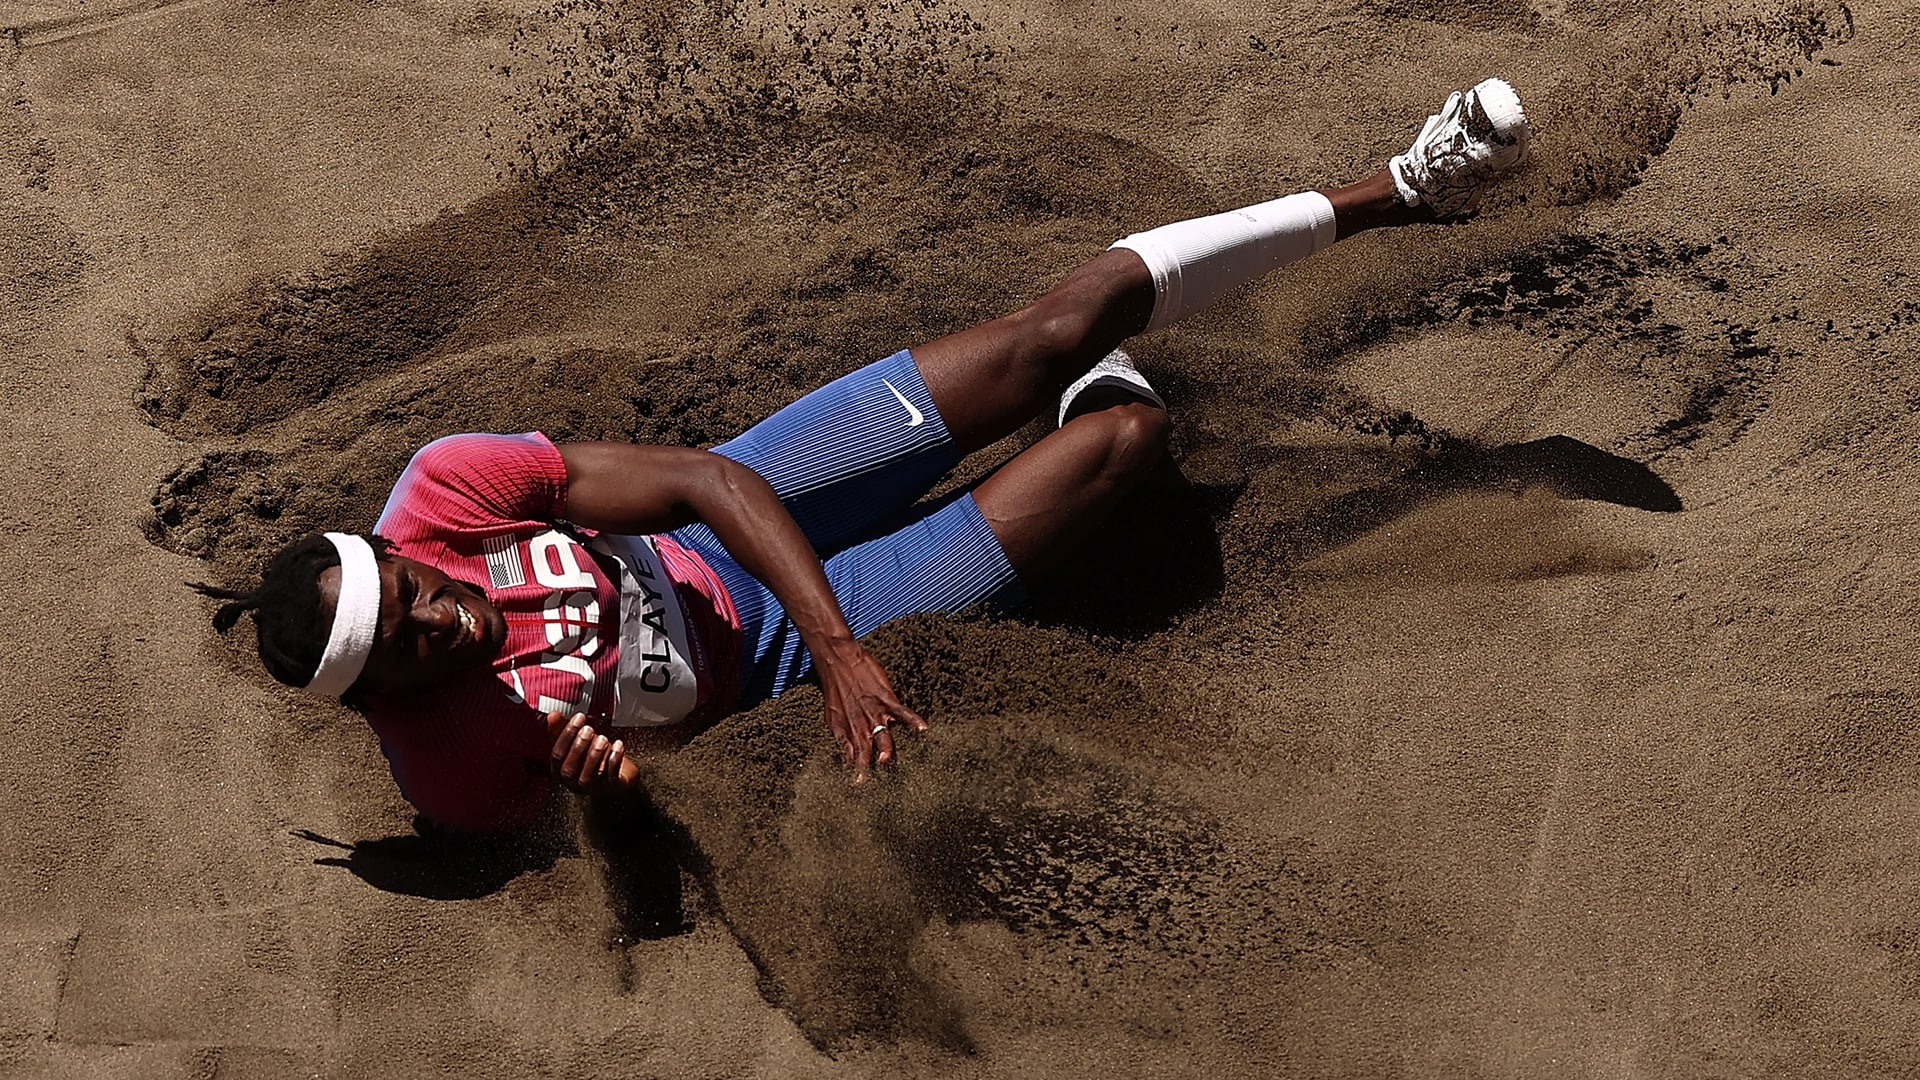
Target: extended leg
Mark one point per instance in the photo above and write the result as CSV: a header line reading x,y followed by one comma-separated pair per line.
x,y
989,380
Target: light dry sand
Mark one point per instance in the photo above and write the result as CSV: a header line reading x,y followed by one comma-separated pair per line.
x,y
1426,763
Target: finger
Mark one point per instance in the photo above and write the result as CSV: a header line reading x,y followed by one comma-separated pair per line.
x,y
577,756
849,747
859,750
596,757
908,717
564,741
871,729
616,754
883,746
841,727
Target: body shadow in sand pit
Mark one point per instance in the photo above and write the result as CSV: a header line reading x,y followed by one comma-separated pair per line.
x,y
437,865
643,853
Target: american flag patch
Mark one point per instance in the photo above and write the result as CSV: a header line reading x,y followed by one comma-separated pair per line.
x,y
503,562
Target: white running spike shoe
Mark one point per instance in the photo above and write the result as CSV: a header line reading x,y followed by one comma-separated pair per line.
x,y
1116,370
1475,137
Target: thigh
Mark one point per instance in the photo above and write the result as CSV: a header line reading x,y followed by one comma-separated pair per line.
x,y
852,452
991,379
944,560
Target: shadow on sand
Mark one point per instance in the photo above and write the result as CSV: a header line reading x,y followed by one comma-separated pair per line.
x,y
436,864
1564,466
1161,555
641,850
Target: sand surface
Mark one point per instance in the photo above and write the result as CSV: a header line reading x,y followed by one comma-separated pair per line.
x,y
1513,677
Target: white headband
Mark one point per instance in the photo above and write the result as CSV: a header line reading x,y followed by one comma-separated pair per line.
x,y
356,617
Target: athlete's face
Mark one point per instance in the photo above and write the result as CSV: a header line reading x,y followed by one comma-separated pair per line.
x,y
431,625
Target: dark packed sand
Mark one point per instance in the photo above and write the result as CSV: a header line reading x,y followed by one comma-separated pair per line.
x,y
1511,675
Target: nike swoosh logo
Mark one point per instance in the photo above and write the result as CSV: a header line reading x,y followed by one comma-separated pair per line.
x,y
914,418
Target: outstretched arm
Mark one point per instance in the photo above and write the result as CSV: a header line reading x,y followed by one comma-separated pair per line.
x,y
625,488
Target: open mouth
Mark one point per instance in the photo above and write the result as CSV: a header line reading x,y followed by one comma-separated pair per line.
x,y
469,629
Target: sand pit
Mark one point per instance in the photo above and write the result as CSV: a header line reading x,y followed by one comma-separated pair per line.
x,y
1529,693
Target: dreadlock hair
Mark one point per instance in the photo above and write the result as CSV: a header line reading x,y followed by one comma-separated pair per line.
x,y
286,609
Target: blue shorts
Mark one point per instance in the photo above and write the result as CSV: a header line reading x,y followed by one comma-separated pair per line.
x,y
850,461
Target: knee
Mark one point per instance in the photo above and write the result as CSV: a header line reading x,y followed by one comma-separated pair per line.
x,y
1137,435
1052,330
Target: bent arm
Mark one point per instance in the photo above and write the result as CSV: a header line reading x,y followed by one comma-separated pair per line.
x,y
625,488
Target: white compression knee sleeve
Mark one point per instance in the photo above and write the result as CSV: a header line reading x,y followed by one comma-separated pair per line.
x,y
1195,262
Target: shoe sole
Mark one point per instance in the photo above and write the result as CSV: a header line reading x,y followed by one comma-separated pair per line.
x,y
1501,104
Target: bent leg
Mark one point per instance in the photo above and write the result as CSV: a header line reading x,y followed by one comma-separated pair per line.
x,y
990,379
946,559
991,544
1051,498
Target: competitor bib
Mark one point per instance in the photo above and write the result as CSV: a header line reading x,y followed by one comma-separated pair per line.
x,y
655,684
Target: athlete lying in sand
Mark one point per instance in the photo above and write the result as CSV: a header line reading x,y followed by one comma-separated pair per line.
x,y
518,601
